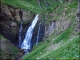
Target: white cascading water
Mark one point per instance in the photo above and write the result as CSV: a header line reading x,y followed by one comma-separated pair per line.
x,y
27,40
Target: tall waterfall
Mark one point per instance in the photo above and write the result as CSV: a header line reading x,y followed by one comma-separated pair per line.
x,y
27,40
20,31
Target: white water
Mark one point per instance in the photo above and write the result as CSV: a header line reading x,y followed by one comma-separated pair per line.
x,y
27,41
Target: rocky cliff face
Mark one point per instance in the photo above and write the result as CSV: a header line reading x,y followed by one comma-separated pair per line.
x,y
10,21
58,21
13,13
10,18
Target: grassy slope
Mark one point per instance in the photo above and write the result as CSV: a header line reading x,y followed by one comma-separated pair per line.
x,y
30,5
68,47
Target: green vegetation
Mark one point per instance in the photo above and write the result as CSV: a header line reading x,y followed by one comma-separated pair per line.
x,y
7,49
67,43
64,36
64,45
62,8
31,5
9,53
72,5
12,49
68,50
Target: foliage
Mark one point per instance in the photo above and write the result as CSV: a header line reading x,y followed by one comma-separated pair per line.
x,y
69,47
7,50
31,5
36,51
60,8
64,36
68,50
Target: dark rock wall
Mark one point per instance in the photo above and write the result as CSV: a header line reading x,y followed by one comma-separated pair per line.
x,y
9,22
38,33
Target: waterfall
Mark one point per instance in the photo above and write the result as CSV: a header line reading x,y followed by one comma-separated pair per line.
x,y
38,34
20,31
27,40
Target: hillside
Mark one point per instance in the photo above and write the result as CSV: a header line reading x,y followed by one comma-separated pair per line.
x,y
7,49
65,44
33,5
61,24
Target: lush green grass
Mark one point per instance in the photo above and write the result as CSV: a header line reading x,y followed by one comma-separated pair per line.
x,y
59,9
72,5
64,36
68,50
40,49
22,4
35,51
31,5
69,47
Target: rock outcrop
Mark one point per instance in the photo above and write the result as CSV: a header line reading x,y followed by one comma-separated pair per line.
x,y
10,21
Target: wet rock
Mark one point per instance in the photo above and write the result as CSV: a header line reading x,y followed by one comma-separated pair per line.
x,y
49,28
21,54
16,58
22,51
78,14
13,13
